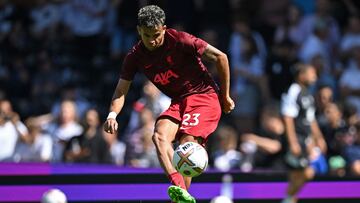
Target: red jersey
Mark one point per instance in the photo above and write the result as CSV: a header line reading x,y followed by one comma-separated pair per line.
x,y
175,67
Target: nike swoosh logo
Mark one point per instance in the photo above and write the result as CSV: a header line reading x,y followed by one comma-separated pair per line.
x,y
147,66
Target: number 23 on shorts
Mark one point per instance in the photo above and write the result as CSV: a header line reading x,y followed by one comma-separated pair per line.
x,y
190,119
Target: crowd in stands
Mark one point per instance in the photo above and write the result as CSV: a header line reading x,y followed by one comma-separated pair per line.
x,y
60,61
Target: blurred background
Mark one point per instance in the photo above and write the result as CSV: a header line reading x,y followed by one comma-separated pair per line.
x,y
60,61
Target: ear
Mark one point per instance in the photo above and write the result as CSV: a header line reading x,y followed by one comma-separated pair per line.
x,y
164,28
138,29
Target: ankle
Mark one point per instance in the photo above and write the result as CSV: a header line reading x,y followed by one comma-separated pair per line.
x,y
177,179
289,199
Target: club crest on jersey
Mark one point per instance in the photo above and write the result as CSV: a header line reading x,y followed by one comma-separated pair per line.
x,y
163,78
169,60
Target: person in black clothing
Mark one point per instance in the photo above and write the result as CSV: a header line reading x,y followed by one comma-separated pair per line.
x,y
269,139
302,131
278,67
89,147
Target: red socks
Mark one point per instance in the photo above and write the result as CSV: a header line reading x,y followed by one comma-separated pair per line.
x,y
177,179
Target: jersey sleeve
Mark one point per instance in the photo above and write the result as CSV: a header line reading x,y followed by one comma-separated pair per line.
x,y
289,106
129,67
192,44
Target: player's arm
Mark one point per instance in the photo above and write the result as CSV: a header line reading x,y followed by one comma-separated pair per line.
x,y
214,55
291,136
268,145
318,136
117,104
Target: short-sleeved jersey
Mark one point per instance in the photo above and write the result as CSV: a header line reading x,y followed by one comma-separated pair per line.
x,y
175,67
299,104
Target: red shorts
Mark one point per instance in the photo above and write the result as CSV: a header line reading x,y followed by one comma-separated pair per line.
x,y
198,114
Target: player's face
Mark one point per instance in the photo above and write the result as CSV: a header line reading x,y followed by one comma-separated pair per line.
x,y
152,38
311,76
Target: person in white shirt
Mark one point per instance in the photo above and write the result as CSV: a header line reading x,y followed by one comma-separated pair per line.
x,y
36,147
11,128
62,127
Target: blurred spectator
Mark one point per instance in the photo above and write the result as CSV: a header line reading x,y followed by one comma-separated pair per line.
x,y
123,33
45,84
72,92
142,152
278,67
45,16
240,34
85,18
322,14
90,146
11,129
226,156
146,158
86,21
323,97
325,76
315,45
350,114
249,87
6,14
10,115
269,139
153,100
271,14
62,127
351,37
350,141
333,123
212,37
350,83
35,147
19,80
117,149
290,30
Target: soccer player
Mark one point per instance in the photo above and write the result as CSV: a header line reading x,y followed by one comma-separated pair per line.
x,y
172,60
302,131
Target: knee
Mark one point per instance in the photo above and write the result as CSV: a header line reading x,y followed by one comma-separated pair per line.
x,y
309,174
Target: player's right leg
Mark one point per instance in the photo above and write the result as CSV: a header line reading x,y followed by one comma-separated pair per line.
x,y
178,194
189,138
164,134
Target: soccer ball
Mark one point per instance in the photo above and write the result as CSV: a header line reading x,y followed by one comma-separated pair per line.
x,y
190,159
54,196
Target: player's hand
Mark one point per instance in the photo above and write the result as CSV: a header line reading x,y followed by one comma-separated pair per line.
x,y
110,125
295,149
227,104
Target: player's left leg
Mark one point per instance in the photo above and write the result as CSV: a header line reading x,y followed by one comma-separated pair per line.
x,y
297,179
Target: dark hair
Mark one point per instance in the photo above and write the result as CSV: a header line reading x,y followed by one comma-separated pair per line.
x,y
151,16
299,68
